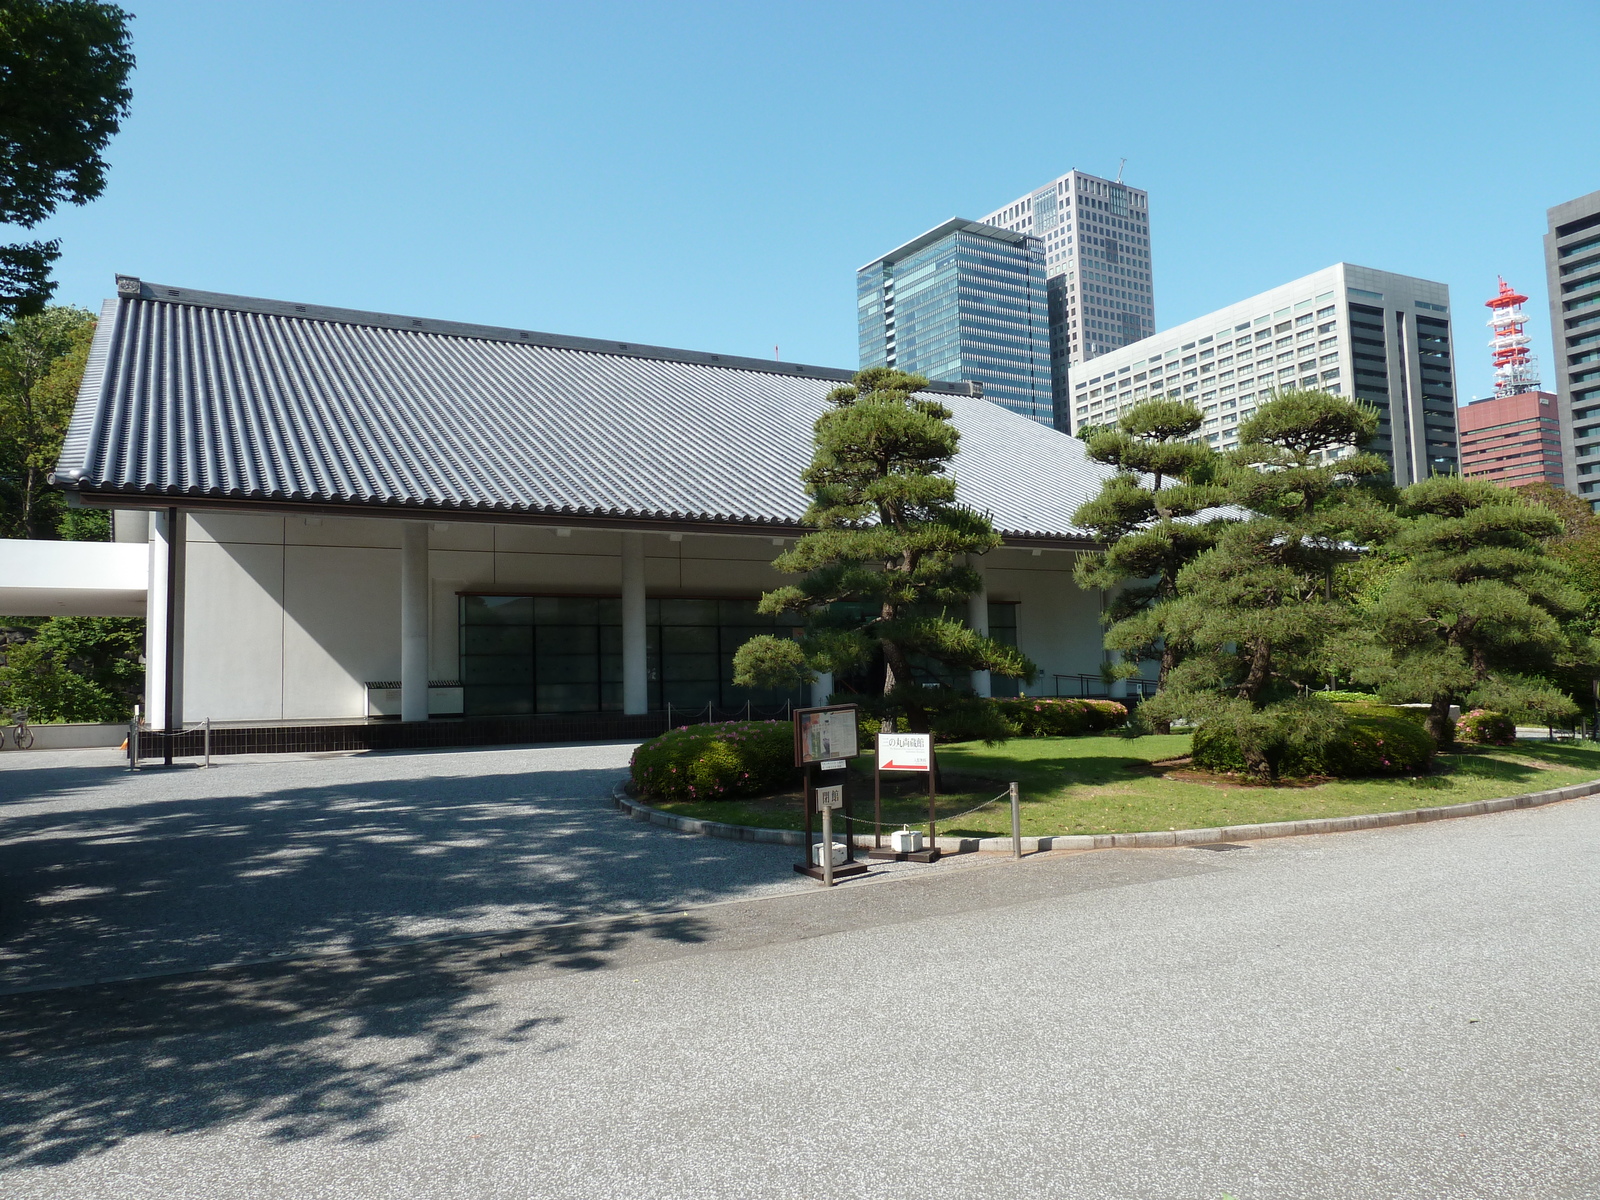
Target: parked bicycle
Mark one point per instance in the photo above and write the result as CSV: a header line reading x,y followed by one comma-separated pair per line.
x,y
21,735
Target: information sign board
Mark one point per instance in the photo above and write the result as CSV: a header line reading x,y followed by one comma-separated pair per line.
x,y
824,733
830,797
905,751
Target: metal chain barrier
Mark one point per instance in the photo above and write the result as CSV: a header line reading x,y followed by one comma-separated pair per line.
x,y
1005,795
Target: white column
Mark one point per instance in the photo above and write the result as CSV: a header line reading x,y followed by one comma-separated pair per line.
x,y
414,621
821,689
978,618
163,627
635,659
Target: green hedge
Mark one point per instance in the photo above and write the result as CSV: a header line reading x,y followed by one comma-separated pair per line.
x,y
1031,716
715,762
1484,727
1376,740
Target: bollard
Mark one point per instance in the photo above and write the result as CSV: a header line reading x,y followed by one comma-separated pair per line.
x,y
208,741
1016,823
133,740
827,847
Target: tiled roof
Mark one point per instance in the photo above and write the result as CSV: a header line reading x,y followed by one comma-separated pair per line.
x,y
203,399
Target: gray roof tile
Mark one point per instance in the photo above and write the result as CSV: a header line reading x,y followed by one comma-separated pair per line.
x,y
201,398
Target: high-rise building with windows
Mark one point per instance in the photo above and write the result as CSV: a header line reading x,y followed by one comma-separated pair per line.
x,y
965,301
1373,335
1572,265
1096,235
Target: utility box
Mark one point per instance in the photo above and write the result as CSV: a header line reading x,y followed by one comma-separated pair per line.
x,y
905,841
838,854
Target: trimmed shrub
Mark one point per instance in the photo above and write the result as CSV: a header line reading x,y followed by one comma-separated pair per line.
x,y
1346,697
1042,716
1374,740
715,762
1483,727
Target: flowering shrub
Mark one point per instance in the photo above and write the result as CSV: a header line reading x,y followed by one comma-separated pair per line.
x,y
1043,716
1372,739
1484,727
715,762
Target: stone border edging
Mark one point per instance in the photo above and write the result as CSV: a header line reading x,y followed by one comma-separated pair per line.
x,y
640,811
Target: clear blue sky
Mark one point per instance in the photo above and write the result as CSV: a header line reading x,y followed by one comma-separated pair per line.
x,y
709,176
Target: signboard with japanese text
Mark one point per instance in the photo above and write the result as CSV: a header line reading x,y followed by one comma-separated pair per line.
x,y
905,751
830,797
825,733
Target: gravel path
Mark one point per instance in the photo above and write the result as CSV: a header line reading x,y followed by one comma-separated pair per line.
x,y
1404,1013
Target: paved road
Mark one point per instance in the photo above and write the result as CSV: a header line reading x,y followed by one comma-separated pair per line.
x,y
1406,1013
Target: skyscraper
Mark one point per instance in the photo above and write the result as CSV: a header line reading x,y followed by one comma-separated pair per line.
x,y
1376,336
965,301
1572,265
1096,235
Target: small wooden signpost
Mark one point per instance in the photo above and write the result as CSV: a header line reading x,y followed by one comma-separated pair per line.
x,y
903,752
825,740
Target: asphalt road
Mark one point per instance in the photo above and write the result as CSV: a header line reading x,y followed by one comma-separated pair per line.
x,y
1405,1013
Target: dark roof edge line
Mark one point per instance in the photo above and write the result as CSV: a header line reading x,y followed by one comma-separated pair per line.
x,y
100,498
131,287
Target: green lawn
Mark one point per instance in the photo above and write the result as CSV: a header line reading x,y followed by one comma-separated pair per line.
x,y
1110,785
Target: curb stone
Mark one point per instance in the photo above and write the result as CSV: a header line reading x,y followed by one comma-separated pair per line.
x,y
640,811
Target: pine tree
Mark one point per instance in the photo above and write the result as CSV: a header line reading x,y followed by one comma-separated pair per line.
x,y
1145,513
1481,613
1258,606
890,538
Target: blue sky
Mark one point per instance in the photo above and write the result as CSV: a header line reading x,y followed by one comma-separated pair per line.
x,y
709,176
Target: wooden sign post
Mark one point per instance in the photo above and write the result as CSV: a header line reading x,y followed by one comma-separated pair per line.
x,y
903,752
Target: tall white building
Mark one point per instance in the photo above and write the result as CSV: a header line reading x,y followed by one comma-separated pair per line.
x,y
1373,335
1096,235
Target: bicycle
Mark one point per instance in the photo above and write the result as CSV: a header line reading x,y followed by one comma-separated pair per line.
x,y
21,735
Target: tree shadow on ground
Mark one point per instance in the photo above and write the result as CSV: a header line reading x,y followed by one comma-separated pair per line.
x,y
365,920
309,1049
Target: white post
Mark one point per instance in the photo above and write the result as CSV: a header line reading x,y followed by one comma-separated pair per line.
x,y
635,657
414,621
978,618
821,689
163,627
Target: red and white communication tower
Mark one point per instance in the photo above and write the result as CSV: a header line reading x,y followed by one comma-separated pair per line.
x,y
1514,368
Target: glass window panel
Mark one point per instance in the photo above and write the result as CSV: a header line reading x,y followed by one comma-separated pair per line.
x,y
566,610
688,639
568,697
676,667
498,700
688,612
568,668
495,668
568,639
499,639
498,610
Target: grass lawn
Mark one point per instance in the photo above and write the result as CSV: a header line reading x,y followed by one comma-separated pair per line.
x,y
1112,785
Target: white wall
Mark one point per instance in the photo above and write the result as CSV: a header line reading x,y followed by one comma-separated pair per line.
x,y
288,620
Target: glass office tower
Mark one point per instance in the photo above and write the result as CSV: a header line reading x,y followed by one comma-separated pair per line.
x,y
964,301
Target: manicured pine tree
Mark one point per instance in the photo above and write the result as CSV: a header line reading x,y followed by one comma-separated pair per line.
x,y
1482,612
1146,514
891,538
1257,607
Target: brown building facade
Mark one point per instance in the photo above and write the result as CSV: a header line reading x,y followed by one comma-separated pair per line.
x,y
1512,440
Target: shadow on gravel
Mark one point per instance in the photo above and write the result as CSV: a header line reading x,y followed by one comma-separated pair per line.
x,y
126,881
308,1049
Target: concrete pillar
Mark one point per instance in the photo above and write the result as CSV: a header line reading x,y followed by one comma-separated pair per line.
x,y
414,621
130,525
635,655
978,618
821,689
163,627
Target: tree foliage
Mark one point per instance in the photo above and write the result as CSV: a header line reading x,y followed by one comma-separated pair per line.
x,y
1145,513
1481,613
72,668
42,359
1257,607
64,67
891,543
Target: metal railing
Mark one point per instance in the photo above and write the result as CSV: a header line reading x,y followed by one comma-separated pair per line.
x,y
712,713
